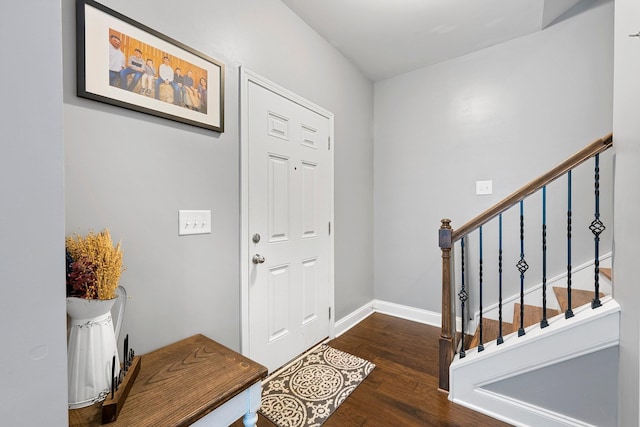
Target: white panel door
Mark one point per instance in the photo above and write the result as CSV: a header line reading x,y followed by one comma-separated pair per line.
x,y
290,206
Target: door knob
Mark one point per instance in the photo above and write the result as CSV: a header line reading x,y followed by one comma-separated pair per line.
x,y
258,259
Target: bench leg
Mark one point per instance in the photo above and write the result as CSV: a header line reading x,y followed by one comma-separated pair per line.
x,y
255,395
250,419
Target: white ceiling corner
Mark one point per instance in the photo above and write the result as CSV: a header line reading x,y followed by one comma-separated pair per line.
x,y
553,9
384,38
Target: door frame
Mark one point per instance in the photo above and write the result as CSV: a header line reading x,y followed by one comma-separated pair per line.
x,y
246,77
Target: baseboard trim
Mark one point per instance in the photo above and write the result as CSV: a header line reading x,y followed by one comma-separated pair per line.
x,y
536,414
419,315
409,313
353,318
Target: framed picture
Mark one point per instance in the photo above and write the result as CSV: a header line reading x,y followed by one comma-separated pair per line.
x,y
124,63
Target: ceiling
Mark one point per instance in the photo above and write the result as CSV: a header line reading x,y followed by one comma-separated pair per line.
x,y
384,38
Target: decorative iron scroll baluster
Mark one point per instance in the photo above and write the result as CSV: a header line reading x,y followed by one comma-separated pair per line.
x,y
463,296
569,313
522,267
544,322
481,346
596,228
500,340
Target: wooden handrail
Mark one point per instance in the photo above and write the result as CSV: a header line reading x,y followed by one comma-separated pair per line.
x,y
597,146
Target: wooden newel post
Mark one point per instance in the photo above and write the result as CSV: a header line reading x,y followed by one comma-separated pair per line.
x,y
446,333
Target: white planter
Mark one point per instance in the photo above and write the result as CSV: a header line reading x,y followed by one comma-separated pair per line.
x,y
91,348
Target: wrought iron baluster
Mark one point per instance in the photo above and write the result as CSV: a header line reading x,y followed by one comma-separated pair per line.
x,y
500,340
463,296
596,228
522,268
544,322
481,346
569,313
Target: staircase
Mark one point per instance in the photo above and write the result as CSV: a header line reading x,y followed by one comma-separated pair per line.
x,y
557,367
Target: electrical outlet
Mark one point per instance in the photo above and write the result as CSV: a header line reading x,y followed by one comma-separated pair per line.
x,y
484,187
194,222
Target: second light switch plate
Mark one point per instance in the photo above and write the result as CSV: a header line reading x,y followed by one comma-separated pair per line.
x,y
194,222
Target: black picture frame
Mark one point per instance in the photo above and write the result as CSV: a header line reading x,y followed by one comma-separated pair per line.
x,y
200,104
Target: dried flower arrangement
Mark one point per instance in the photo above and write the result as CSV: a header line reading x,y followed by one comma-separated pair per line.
x,y
94,265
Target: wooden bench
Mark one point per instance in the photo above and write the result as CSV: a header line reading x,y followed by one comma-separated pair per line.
x,y
195,381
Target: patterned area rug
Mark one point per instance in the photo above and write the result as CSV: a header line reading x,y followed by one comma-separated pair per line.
x,y
311,388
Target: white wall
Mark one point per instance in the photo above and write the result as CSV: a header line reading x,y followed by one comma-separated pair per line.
x,y
33,389
507,113
132,172
626,128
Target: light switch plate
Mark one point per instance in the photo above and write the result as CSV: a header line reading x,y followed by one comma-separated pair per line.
x,y
484,187
194,222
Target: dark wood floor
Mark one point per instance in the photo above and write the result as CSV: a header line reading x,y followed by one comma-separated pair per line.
x,y
403,388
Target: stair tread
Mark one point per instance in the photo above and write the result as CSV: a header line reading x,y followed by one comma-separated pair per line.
x,y
490,331
579,297
532,315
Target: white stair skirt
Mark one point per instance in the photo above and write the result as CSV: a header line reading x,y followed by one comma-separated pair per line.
x,y
564,339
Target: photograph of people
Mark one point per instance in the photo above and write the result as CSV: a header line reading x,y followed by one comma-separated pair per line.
x,y
166,83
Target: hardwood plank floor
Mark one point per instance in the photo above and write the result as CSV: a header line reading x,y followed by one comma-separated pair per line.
x,y
403,388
